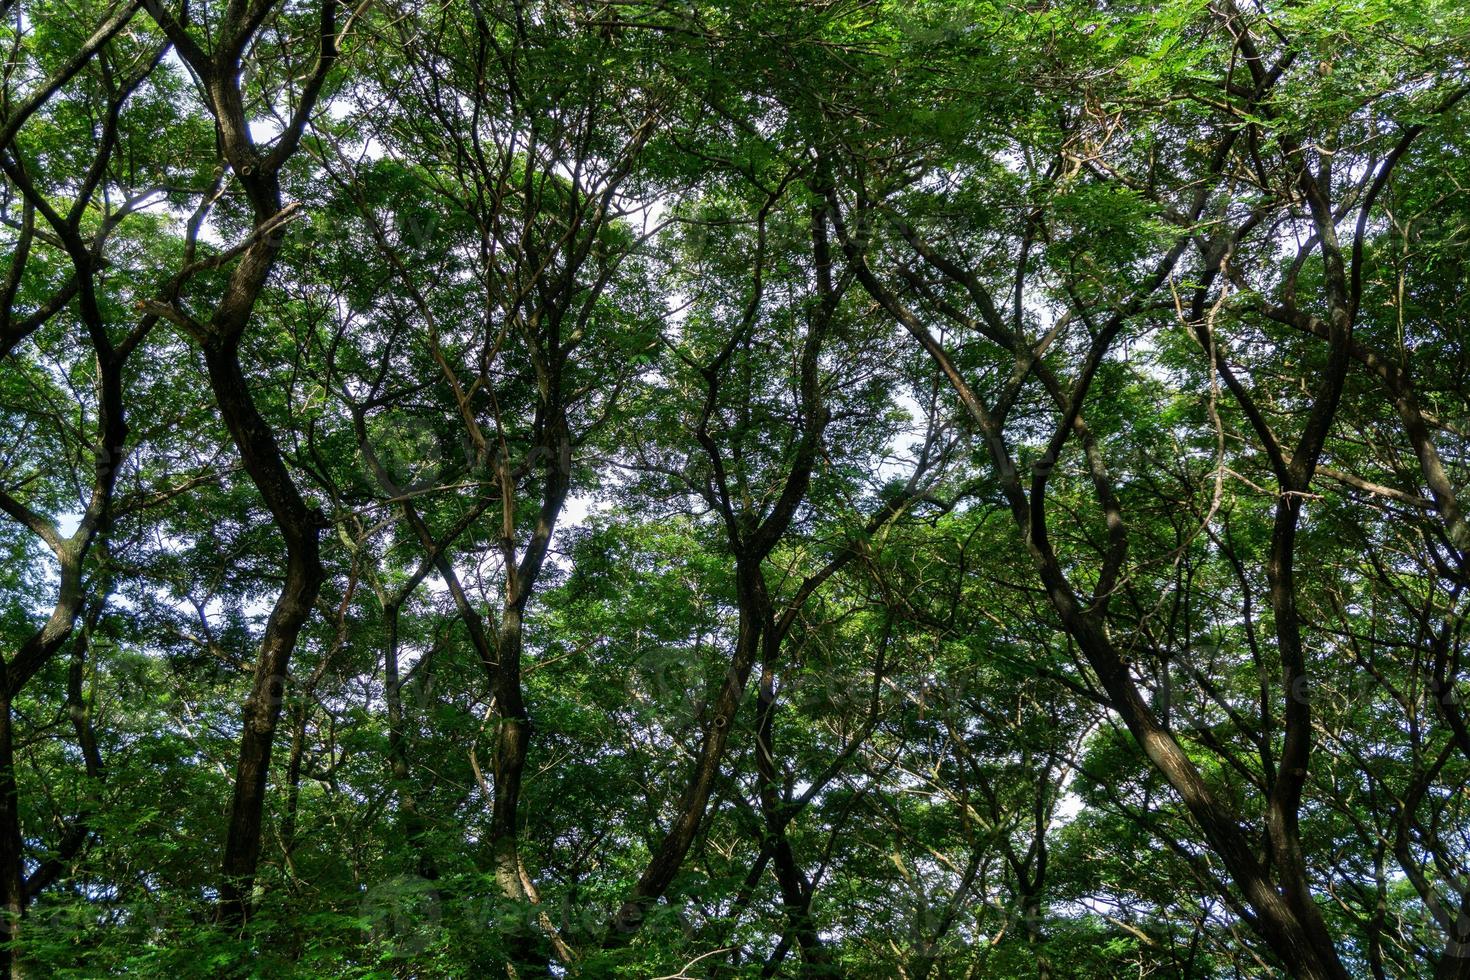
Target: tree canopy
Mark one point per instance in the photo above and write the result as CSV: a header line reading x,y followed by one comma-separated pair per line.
x,y
688,488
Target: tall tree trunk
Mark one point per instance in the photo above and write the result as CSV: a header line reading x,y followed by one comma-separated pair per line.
x,y
260,716
513,727
528,948
720,717
751,539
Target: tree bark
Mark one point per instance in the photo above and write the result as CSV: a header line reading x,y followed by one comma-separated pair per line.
x,y
260,715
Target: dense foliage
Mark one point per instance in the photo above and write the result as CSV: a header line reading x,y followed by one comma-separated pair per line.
x,y
667,488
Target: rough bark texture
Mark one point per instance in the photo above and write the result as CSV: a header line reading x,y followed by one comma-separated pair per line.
x,y
260,715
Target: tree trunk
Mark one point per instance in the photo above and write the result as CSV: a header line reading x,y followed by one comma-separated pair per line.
x,y
528,950
1454,961
669,855
1031,919
260,716
796,889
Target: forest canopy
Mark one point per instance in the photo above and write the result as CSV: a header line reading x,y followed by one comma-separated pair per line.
x,y
778,488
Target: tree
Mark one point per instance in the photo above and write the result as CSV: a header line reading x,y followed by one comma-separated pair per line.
x,y
844,488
